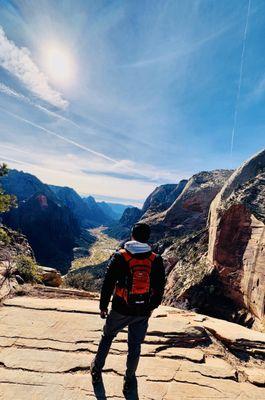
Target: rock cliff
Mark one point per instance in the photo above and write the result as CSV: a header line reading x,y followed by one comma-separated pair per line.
x,y
237,237
189,211
163,197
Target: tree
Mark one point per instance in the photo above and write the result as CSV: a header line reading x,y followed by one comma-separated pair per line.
x,y
6,200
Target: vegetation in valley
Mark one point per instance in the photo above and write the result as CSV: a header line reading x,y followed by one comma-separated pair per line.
x,y
99,252
87,272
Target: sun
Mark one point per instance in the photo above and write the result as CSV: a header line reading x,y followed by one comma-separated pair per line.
x,y
59,64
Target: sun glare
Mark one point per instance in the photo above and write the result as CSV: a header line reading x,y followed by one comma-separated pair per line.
x,y
59,64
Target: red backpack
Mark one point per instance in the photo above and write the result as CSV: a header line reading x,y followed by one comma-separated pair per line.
x,y
137,288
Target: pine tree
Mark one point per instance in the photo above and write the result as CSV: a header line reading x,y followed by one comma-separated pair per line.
x,y
6,200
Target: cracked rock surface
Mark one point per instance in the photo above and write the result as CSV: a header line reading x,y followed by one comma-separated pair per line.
x,y
47,344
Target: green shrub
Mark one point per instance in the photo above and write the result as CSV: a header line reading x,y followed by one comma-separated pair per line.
x,y
4,238
83,280
27,268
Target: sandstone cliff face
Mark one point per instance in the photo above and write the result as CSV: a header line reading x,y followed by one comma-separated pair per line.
x,y
189,211
237,236
162,197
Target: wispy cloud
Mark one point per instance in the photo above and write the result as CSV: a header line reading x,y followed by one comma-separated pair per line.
x,y
118,168
57,135
18,62
13,93
19,96
180,50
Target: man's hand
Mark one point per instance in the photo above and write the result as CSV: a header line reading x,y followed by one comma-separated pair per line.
x,y
103,314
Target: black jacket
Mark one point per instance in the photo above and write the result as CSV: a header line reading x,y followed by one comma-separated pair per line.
x,y
117,271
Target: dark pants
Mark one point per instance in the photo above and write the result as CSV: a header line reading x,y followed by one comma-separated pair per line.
x,y
115,322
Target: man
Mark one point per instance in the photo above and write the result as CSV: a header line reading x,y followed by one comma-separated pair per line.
x,y
136,278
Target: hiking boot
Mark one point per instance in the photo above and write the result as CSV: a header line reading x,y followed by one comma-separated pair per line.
x,y
95,373
129,383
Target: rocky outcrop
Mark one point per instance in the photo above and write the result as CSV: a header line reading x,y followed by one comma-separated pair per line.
x,y
50,276
12,244
189,211
15,244
237,237
184,356
162,197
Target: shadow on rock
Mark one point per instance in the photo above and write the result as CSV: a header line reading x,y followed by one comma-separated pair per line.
x,y
100,392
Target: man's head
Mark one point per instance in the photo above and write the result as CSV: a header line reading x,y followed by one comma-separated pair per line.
x,y
141,232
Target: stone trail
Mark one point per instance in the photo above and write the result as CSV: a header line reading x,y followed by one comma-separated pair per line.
x,y
47,344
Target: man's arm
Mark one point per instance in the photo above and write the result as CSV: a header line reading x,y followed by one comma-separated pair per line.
x,y
109,282
158,280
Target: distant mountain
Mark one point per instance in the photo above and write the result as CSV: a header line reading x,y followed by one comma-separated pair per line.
x,y
121,229
24,185
69,198
114,210
130,216
105,207
97,215
50,228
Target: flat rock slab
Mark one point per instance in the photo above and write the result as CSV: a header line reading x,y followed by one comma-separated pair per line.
x,y
54,304
47,345
195,355
236,336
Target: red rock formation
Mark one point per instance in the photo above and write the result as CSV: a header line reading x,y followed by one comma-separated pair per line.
x,y
237,237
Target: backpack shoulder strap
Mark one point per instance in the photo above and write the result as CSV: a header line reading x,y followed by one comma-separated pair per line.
x,y
152,256
127,257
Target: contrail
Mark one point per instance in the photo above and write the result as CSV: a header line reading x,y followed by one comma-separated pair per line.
x,y
240,78
72,142
57,135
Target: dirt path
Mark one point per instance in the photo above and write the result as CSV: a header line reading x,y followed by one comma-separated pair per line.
x,y
100,251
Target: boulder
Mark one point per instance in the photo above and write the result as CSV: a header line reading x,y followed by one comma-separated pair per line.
x,y
237,239
50,276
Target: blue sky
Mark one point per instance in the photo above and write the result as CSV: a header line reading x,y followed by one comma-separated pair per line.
x,y
116,97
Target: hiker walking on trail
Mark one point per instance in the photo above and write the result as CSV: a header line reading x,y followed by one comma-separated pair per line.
x,y
135,277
